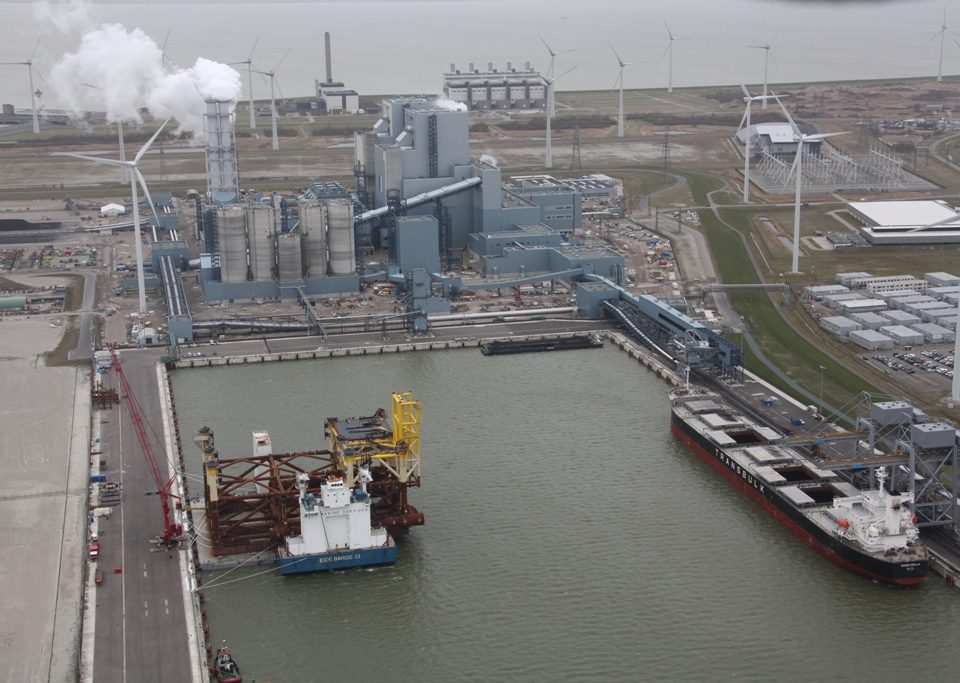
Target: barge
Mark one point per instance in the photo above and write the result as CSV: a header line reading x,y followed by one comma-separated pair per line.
x,y
870,532
498,347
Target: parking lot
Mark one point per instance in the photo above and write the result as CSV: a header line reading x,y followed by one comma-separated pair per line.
x,y
930,361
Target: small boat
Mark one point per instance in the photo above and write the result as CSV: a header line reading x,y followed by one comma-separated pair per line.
x,y
224,668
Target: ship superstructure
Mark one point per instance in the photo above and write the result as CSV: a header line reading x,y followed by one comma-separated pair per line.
x,y
870,532
335,529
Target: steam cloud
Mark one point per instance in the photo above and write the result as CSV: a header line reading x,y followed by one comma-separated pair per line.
x,y
442,103
123,71
63,15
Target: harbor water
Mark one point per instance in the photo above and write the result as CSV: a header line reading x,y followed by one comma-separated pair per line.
x,y
567,538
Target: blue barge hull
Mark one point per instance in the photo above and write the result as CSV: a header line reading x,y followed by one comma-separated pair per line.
x,y
341,559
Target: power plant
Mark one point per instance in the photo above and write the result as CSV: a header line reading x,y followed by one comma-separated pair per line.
x,y
419,206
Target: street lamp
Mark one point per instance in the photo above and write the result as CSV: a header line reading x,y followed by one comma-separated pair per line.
x,y
820,400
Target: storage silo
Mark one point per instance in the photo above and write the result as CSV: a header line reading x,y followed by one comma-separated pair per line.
x,y
260,230
289,257
343,258
232,242
312,227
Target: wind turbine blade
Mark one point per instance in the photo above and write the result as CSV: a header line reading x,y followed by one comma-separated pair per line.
x,y
669,32
282,58
760,47
96,160
666,49
565,73
143,150
619,61
796,161
956,42
280,90
35,48
552,53
146,195
256,40
775,34
163,47
743,119
793,125
936,35
746,93
616,82
816,137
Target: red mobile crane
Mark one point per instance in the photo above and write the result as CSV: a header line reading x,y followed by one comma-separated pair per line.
x,y
171,530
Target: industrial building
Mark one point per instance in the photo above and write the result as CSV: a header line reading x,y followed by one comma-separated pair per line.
x,y
776,138
840,325
420,205
926,221
510,88
871,340
333,97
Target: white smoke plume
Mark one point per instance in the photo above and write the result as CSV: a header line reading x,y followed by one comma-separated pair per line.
x,y
64,15
122,71
442,103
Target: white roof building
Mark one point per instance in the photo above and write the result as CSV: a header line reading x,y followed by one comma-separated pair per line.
x,y
925,221
113,210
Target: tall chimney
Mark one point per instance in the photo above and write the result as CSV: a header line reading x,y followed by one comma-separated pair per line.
x,y
326,43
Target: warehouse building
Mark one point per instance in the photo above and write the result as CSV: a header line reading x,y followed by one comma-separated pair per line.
x,y
899,317
814,291
834,300
777,138
846,279
840,325
942,279
903,336
870,320
933,333
871,340
861,306
926,221
897,294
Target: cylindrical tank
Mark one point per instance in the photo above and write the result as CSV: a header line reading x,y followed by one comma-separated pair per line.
x,y
289,257
343,259
313,226
260,229
232,240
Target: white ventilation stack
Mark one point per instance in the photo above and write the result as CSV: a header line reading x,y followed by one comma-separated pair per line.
x,y
223,179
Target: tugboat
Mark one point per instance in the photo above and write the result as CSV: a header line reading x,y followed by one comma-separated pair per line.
x,y
224,668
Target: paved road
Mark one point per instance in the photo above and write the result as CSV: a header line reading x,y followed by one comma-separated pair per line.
x,y
140,620
84,348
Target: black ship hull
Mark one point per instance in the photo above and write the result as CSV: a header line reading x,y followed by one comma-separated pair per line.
x,y
902,573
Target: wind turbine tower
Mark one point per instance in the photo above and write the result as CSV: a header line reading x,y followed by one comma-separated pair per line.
x,y
619,81
745,125
548,157
249,62
797,171
33,93
135,178
553,56
943,34
669,51
766,62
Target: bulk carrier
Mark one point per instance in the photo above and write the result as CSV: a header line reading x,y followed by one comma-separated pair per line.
x,y
870,532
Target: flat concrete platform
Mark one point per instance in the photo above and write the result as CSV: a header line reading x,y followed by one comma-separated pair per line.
x,y
44,450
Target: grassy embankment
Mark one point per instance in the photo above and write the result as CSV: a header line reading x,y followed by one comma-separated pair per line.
x,y
792,353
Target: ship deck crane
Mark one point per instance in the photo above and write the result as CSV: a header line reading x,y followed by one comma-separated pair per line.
x,y
171,530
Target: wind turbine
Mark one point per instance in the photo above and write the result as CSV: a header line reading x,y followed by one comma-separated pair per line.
x,y
553,56
135,177
548,159
619,80
669,49
273,102
766,60
249,62
746,145
124,174
33,93
942,33
798,171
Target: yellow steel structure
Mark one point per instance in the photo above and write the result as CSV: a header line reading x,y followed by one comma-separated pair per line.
x,y
397,449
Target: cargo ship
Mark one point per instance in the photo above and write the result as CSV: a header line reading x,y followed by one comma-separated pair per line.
x,y
335,529
870,532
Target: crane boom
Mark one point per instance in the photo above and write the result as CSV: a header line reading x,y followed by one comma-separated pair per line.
x,y
171,530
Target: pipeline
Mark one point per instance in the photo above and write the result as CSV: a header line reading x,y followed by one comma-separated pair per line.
x,y
421,198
